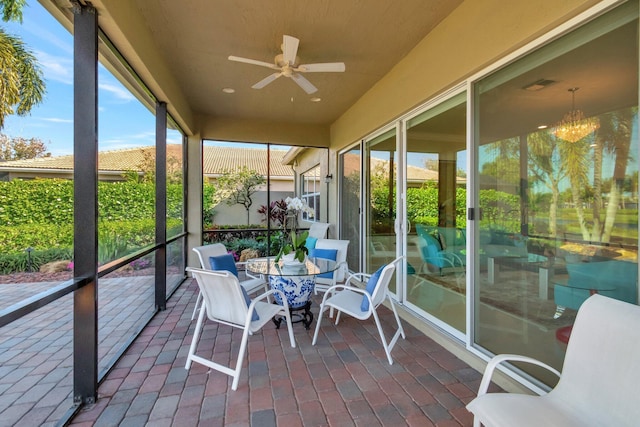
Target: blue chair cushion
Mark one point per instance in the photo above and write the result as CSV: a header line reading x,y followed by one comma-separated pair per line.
x,y
371,286
254,316
410,269
310,243
224,262
432,254
331,254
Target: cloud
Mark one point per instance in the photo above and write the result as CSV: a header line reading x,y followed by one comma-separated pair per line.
x,y
118,91
142,139
43,31
60,69
56,68
57,120
174,140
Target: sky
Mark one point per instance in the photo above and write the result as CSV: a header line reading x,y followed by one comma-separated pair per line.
x,y
122,121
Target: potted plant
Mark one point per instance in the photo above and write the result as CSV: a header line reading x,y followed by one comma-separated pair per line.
x,y
293,248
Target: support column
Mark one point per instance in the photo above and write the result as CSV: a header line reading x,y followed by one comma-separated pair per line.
x,y
85,207
161,205
447,168
194,202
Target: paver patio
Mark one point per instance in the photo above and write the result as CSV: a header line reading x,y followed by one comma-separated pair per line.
x,y
344,380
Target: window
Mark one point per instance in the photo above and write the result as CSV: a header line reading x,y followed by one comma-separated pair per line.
x,y
559,210
311,192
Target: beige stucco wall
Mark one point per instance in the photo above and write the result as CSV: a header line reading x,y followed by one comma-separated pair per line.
x,y
465,42
251,130
194,201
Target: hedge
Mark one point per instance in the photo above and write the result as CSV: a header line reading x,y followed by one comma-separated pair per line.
x,y
50,201
38,214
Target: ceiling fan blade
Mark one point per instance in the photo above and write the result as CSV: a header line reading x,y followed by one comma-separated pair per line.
x,y
254,62
289,49
304,83
262,83
325,67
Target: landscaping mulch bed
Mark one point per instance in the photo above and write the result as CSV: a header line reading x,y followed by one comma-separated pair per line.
x,y
37,277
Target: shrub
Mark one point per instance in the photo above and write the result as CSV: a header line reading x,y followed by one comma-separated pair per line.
x,y
15,239
18,262
50,201
39,214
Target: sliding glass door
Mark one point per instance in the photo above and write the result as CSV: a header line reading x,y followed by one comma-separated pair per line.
x,y
381,160
558,197
435,207
350,200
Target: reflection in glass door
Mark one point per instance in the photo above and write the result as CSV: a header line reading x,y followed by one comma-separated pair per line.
x,y
350,184
380,187
436,201
559,210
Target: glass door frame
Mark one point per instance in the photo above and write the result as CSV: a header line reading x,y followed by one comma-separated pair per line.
x,y
433,103
399,222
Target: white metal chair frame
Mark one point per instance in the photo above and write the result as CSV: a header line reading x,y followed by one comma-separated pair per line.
x,y
318,230
599,381
347,298
223,302
251,285
323,283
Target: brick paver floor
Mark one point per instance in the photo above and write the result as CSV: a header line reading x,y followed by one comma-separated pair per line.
x,y
344,380
36,363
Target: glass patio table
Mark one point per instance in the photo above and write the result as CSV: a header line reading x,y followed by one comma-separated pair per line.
x,y
295,280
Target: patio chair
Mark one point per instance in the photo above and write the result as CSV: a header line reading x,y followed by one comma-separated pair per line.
x,y
325,281
226,303
251,285
363,303
433,256
599,381
318,230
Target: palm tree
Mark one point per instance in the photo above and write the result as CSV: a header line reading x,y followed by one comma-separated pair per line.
x,y
21,81
614,138
620,137
574,157
546,168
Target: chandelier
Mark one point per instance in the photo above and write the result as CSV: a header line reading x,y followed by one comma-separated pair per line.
x,y
574,126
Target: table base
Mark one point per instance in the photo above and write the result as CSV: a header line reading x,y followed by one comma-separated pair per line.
x,y
301,314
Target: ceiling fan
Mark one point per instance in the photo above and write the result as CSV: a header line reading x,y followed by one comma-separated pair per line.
x,y
287,64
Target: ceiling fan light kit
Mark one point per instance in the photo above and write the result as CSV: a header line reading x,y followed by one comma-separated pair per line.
x,y
287,64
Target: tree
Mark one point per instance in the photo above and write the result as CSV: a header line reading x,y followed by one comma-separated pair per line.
x,y
238,187
21,148
613,138
146,169
505,166
618,126
546,168
21,82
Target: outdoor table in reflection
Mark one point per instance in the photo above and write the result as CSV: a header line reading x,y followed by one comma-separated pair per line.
x,y
296,281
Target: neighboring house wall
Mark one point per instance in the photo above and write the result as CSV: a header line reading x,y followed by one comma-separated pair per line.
x,y
237,215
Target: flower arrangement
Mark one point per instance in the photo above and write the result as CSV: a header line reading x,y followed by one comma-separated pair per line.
x,y
296,205
295,243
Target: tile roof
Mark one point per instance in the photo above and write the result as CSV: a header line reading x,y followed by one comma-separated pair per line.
x,y
220,159
414,173
216,160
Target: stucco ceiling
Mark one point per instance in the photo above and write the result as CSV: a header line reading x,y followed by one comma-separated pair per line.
x,y
190,41
196,37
